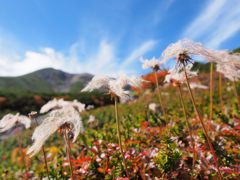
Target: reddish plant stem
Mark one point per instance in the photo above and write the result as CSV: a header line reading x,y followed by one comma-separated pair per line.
x,y
235,91
20,150
220,93
119,137
159,96
44,155
203,126
188,126
211,92
68,151
22,155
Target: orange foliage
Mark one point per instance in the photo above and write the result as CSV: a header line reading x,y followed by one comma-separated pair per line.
x,y
65,97
38,99
3,100
150,80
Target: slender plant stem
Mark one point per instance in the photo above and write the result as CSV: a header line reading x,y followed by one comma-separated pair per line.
x,y
211,92
45,161
220,93
236,94
21,153
119,137
44,156
20,149
68,150
188,125
159,96
203,126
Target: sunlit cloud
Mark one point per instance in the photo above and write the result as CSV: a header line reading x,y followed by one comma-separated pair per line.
x,y
102,61
138,52
216,22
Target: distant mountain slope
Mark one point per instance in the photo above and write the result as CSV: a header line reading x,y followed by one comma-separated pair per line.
x,y
47,80
50,80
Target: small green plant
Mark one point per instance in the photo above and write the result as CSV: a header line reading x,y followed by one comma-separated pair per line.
x,y
168,158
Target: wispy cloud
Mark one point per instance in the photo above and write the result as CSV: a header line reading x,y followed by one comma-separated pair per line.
x,y
204,21
138,52
217,22
102,61
228,27
161,10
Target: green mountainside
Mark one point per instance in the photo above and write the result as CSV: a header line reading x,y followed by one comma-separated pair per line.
x,y
47,80
54,81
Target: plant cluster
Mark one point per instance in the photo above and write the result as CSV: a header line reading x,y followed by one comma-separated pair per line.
x,y
173,133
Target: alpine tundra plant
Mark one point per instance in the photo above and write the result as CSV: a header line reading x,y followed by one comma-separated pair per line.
x,y
176,147
177,77
66,119
155,64
10,121
180,52
231,72
115,88
33,116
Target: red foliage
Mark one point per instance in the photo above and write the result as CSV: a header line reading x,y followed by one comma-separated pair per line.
x,y
38,99
3,100
151,79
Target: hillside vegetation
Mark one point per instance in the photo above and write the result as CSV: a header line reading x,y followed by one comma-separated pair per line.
x,y
45,81
154,147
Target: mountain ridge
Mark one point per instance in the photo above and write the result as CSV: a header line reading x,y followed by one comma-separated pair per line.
x,y
47,80
50,80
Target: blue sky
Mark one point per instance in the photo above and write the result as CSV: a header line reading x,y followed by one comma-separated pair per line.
x,y
110,36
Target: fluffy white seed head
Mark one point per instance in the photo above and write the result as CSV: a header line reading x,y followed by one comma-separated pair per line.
x,y
118,86
10,120
179,75
53,104
228,64
53,121
153,63
115,86
192,48
98,82
80,107
60,103
135,81
230,70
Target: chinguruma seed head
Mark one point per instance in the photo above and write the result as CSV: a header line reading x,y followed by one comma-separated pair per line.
x,y
156,68
183,58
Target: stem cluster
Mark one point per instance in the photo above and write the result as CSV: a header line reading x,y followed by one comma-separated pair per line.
x,y
160,96
119,137
203,126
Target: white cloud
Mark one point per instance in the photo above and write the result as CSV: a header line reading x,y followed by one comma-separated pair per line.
x,y
205,19
217,22
138,52
161,10
103,61
227,28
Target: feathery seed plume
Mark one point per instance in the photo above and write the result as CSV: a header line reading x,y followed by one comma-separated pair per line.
x,y
114,86
60,103
192,48
178,75
55,120
153,63
10,120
